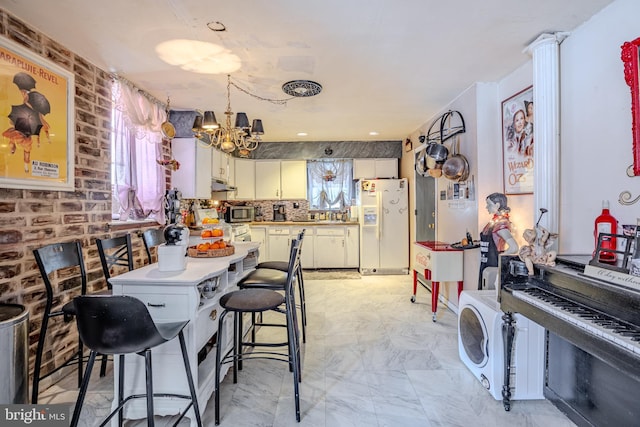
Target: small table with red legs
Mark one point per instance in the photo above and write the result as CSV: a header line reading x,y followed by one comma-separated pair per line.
x,y
441,263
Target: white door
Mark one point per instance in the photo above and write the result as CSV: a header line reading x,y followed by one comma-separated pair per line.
x,y
351,247
268,179
306,251
369,234
293,179
259,234
245,179
329,251
279,242
394,224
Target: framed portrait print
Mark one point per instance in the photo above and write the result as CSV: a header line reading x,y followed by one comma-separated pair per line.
x,y
517,142
36,121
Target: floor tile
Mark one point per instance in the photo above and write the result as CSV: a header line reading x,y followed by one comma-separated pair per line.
x,y
372,358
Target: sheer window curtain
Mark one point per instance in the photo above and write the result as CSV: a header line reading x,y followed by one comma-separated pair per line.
x,y
330,183
138,182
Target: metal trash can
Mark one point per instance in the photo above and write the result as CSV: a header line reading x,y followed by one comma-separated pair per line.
x,y
14,354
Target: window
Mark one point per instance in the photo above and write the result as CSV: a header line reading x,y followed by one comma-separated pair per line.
x,y
137,181
330,184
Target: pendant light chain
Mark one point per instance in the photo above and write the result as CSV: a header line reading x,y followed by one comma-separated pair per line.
x,y
271,100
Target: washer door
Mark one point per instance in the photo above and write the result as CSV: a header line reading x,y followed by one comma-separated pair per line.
x,y
474,336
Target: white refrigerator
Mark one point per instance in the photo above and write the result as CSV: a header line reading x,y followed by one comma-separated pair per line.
x,y
383,211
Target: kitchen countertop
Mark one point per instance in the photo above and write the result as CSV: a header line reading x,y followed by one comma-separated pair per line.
x,y
310,223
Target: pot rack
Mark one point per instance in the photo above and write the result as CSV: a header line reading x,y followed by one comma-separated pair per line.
x,y
445,127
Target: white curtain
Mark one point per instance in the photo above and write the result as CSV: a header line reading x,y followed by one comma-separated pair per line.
x,y
138,181
330,183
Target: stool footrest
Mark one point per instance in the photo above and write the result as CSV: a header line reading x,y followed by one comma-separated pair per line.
x,y
144,396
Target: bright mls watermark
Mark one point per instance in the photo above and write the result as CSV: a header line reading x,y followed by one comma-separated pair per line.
x,y
34,415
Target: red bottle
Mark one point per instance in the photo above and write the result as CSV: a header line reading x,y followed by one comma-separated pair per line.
x,y
606,223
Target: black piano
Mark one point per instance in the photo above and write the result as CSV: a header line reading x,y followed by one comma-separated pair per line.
x,y
593,339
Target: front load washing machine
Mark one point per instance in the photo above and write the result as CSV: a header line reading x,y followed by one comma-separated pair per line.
x,y
481,347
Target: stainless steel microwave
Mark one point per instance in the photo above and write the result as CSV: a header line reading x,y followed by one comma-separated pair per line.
x,y
239,214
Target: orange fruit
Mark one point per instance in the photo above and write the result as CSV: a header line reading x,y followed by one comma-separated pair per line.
x,y
203,247
216,232
222,244
206,233
215,246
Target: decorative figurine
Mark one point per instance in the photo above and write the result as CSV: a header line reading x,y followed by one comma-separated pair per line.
x,y
173,233
539,241
496,237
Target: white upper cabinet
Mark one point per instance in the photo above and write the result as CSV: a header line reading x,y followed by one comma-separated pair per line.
x,y
375,168
293,179
220,165
193,178
277,179
268,179
245,180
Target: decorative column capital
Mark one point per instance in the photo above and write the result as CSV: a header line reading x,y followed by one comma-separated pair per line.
x,y
545,39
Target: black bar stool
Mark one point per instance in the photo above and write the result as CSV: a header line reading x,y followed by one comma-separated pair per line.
x,y
273,275
114,253
122,325
51,259
259,301
282,266
152,238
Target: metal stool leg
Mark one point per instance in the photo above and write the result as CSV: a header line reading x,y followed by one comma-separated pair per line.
x,y
121,390
149,377
83,390
192,388
39,350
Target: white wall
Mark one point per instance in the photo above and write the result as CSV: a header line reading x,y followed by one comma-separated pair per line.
x,y
522,205
595,137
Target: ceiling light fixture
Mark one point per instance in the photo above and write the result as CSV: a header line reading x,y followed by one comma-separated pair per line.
x,y
301,88
241,136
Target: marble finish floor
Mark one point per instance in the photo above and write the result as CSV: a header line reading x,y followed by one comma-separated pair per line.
x,y
372,358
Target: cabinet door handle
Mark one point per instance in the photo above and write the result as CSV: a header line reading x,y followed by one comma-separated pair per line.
x,y
214,314
156,305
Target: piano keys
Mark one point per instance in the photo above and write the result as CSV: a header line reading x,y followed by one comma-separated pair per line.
x,y
599,321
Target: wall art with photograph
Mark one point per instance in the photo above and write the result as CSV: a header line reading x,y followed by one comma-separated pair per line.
x,y
517,142
36,121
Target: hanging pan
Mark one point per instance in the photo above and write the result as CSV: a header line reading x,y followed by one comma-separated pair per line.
x,y
421,163
456,167
167,129
437,152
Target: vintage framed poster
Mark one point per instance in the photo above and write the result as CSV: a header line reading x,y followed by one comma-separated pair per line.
x,y
36,121
517,142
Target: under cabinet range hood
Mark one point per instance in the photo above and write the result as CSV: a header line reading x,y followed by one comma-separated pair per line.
x,y
220,185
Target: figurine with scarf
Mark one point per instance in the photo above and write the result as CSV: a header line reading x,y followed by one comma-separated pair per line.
x,y
496,237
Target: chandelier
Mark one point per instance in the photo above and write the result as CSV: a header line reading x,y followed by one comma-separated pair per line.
x,y
228,138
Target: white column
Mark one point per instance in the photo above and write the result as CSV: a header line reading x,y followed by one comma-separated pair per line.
x,y
545,51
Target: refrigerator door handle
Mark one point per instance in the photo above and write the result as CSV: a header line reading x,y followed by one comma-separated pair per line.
x,y
378,214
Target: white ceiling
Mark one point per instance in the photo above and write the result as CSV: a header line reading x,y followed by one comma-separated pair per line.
x,y
385,65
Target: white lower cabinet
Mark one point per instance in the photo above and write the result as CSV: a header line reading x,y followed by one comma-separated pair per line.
x,y
323,246
259,235
352,246
307,258
329,250
279,243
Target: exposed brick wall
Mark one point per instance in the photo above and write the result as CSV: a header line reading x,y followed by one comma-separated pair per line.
x,y
30,219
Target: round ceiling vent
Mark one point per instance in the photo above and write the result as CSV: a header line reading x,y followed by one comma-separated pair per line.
x,y
301,88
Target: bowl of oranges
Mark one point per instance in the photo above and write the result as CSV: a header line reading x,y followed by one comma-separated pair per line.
x,y
212,245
